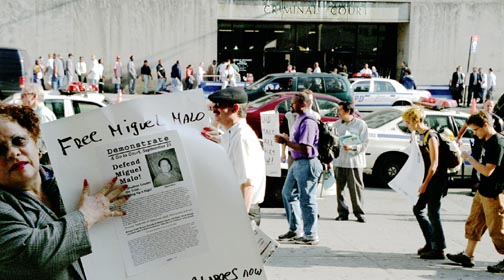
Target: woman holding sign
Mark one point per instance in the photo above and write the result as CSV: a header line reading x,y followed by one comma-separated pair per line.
x,y
38,239
432,189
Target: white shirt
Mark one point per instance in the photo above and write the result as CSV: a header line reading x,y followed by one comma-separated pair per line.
x,y
352,159
94,74
492,80
81,68
366,71
247,157
199,74
317,70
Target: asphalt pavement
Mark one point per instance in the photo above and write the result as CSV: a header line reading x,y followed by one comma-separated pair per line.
x,y
382,248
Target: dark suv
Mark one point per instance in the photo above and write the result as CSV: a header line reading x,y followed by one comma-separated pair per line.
x,y
335,85
13,70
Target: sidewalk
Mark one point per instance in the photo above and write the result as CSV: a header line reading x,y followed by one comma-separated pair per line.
x,y
383,248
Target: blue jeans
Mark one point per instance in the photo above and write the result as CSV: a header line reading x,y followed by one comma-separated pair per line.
x,y
117,87
131,84
146,83
430,222
161,84
299,195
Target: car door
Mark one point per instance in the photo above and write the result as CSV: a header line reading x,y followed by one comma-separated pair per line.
x,y
385,93
363,98
314,84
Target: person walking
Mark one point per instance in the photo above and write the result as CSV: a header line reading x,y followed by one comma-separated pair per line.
x,y
101,81
132,75
69,69
117,74
457,85
404,66
433,187
241,145
477,144
161,76
473,87
349,165
189,79
487,204
94,72
176,76
408,80
59,72
81,70
146,73
303,175
492,83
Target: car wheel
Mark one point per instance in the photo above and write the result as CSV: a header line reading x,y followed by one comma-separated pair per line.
x,y
402,103
387,166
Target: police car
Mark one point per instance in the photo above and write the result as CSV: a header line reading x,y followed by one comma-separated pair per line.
x,y
389,140
67,105
371,94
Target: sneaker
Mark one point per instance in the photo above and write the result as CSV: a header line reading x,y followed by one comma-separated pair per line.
x,y
498,268
433,255
462,259
361,219
424,249
290,235
306,241
341,218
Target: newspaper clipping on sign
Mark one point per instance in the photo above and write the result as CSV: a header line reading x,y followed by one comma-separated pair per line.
x,y
162,222
270,128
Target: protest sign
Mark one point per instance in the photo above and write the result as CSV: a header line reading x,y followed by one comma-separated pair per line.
x,y
410,177
185,218
269,128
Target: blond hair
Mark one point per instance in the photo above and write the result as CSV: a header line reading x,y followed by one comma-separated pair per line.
x,y
413,115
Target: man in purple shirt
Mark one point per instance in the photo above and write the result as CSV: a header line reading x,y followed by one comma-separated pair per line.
x,y
302,176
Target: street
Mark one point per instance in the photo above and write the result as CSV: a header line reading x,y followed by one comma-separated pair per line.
x,y
383,248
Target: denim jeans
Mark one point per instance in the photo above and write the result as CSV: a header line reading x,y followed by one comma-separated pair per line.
x,y
93,82
299,195
131,84
117,87
146,83
430,222
161,84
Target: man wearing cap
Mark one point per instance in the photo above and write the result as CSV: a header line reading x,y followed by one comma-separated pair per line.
x,y
302,175
117,74
242,146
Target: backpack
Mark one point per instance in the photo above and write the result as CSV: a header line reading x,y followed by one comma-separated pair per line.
x,y
328,148
449,151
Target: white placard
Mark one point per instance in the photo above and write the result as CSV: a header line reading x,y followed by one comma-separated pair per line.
x,y
270,127
408,180
192,205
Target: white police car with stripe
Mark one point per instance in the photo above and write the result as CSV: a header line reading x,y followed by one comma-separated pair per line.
x,y
389,140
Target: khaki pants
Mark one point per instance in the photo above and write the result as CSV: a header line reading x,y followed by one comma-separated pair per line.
x,y
487,212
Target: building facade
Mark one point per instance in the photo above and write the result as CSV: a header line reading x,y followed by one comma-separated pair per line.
x,y
432,36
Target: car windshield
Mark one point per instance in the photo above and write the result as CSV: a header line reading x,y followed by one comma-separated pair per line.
x,y
263,100
255,85
379,118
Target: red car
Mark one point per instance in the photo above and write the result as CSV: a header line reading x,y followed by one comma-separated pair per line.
x,y
325,105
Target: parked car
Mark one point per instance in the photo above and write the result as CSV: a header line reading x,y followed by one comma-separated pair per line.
x,y
374,93
325,105
325,83
389,140
67,105
14,70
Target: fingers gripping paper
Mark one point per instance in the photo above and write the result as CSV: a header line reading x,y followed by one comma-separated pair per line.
x,y
183,221
409,179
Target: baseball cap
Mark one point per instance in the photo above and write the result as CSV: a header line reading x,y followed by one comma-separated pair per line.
x,y
229,95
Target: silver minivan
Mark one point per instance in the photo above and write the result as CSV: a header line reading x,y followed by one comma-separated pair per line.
x,y
14,70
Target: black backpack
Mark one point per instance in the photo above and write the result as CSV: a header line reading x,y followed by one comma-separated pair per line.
x,y
449,152
328,148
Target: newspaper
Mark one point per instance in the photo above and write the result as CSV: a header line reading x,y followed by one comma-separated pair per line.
x,y
163,223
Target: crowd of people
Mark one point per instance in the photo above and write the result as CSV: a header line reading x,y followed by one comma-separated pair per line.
x,y
481,85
